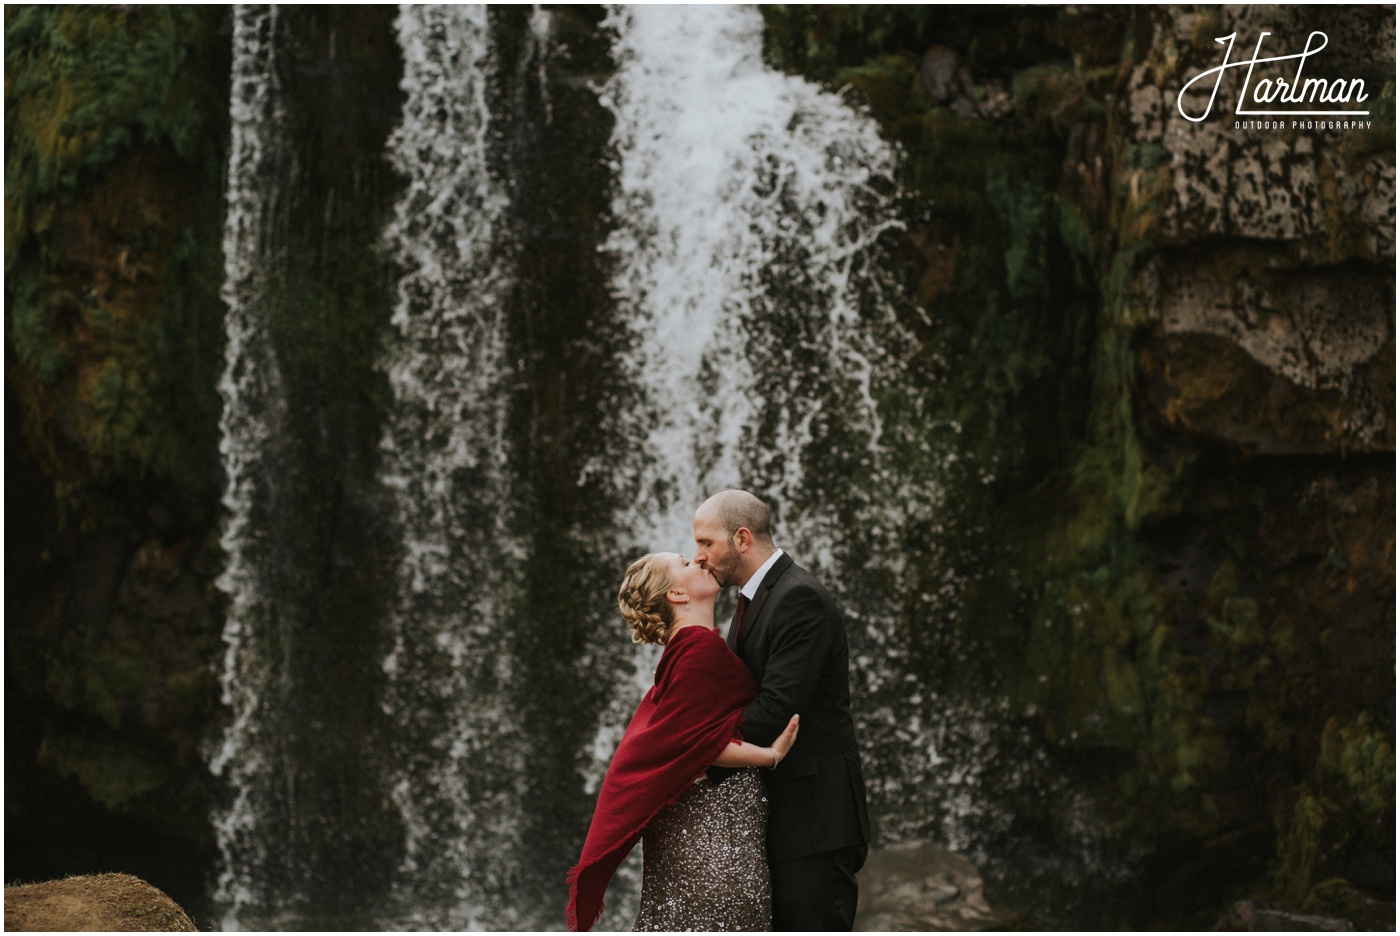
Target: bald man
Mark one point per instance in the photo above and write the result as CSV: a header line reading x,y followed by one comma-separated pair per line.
x,y
791,636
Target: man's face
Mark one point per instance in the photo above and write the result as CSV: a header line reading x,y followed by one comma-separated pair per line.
x,y
714,550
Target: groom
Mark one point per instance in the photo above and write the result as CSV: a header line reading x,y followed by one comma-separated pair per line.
x,y
790,634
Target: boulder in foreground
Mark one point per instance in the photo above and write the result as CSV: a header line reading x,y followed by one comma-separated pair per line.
x,y
93,903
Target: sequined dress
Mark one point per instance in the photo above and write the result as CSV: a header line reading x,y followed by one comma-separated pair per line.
x,y
705,862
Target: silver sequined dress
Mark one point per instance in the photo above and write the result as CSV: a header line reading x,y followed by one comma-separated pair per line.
x,y
705,862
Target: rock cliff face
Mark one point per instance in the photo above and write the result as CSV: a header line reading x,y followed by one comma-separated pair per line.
x,y
1174,344
113,211
1277,240
1168,349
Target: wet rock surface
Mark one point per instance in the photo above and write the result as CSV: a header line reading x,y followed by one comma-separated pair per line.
x,y
923,887
1250,917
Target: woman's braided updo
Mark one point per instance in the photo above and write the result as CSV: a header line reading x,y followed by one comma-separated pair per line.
x,y
642,600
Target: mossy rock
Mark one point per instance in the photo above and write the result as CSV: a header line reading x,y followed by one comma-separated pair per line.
x,y
1185,383
93,903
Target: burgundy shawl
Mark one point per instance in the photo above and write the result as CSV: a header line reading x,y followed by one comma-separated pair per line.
x,y
690,713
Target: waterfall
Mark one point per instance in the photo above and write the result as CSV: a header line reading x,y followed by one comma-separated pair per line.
x,y
748,202
252,427
445,459
751,205
560,395
300,822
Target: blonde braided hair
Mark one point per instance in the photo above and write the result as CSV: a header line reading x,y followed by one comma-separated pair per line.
x,y
642,600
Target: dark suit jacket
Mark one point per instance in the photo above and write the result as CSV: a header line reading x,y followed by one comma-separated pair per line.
x,y
793,640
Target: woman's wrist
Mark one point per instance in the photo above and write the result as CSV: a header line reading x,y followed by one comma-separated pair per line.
x,y
776,758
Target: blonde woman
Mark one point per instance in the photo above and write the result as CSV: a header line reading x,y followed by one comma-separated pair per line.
x,y
703,843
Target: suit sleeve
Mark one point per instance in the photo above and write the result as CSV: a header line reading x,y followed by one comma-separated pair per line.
x,y
804,636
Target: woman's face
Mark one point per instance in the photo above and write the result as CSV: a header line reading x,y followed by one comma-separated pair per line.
x,y
687,576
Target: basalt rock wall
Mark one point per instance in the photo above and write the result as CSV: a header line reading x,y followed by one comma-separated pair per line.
x,y
1173,344
115,129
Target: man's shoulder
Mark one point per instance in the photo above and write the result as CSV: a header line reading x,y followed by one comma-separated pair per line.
x,y
796,582
795,575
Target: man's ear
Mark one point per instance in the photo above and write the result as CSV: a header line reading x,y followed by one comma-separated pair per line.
x,y
743,539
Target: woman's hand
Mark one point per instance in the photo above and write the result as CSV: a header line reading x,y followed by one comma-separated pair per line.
x,y
743,754
785,740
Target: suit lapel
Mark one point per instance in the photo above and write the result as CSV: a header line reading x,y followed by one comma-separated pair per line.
x,y
760,598
751,616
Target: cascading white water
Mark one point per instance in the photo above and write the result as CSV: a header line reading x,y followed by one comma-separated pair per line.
x,y
444,446
251,425
766,353
750,205
728,169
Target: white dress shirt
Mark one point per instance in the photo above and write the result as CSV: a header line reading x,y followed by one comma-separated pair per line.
x,y
750,588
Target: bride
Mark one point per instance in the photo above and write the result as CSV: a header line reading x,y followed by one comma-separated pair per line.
x,y
704,862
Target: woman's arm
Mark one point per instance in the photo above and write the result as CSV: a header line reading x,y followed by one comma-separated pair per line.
x,y
751,755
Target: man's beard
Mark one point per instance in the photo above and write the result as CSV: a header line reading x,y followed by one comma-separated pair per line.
x,y
723,572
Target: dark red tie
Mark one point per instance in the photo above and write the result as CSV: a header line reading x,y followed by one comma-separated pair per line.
x,y
739,616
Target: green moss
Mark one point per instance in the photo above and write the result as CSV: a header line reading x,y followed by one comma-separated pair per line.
x,y
1143,694
34,319
112,245
1360,754
1350,799
1301,847
114,126
889,85
1104,669
1060,95
820,40
112,772
84,84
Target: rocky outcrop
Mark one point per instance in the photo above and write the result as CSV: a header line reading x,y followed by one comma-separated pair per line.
x,y
1273,333
1175,341
1250,917
115,118
921,886
1260,316
94,903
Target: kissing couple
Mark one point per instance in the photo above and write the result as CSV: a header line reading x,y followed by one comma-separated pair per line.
x,y
739,771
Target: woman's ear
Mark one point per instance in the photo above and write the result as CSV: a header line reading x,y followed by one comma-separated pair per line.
x,y
676,596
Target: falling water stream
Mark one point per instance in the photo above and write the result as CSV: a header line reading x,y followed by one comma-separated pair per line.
x,y
445,461
747,204
761,347
254,405
752,204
